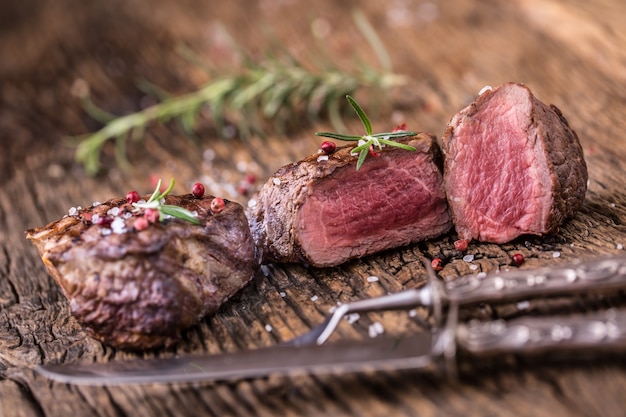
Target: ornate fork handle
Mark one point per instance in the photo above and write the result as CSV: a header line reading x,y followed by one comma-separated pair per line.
x,y
606,330
603,274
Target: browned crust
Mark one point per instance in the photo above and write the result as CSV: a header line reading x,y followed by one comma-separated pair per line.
x,y
139,289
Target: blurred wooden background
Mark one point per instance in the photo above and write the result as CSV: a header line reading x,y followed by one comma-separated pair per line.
x,y
570,53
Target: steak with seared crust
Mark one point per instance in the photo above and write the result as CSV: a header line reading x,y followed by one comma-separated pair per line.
x,y
513,166
138,287
323,212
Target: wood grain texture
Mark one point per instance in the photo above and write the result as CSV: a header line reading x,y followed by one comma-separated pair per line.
x,y
570,53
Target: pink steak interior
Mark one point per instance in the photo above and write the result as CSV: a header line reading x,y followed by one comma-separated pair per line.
x,y
393,199
498,186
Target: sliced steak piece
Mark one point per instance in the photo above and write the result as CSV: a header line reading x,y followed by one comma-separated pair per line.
x,y
323,212
137,289
513,166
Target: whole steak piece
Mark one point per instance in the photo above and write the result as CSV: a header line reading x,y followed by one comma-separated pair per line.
x,y
513,166
134,286
323,212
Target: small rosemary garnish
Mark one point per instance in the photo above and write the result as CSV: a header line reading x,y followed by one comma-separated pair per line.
x,y
369,140
156,202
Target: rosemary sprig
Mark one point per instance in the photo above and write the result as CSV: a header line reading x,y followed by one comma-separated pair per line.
x,y
277,89
156,202
369,140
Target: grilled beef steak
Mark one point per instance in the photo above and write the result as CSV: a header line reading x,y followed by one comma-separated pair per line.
x,y
322,211
136,286
513,166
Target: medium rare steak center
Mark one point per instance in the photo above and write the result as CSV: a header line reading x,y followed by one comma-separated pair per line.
x,y
513,166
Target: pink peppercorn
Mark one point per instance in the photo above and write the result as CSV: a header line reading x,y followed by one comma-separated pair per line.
x,y
243,188
217,205
197,190
437,264
141,224
132,197
461,245
518,259
104,220
328,147
373,152
151,215
400,128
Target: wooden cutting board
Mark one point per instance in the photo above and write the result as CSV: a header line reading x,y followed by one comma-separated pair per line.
x,y
570,53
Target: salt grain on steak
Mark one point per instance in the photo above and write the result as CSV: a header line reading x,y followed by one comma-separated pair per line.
x,y
513,166
324,213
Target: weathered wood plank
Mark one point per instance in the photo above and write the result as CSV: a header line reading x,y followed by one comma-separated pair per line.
x,y
570,53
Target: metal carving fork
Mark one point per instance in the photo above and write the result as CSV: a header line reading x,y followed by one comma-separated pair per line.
x,y
599,275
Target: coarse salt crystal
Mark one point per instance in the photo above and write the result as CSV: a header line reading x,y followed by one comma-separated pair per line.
x,y
72,211
314,298
473,267
375,329
372,279
252,203
353,318
265,270
372,332
118,225
468,258
276,181
268,328
242,166
114,211
208,155
612,204
95,204
523,305
412,312
282,294
106,231
556,254
322,158
485,89
619,246
127,215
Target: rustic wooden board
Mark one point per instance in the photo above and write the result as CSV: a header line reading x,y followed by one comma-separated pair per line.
x,y
570,53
